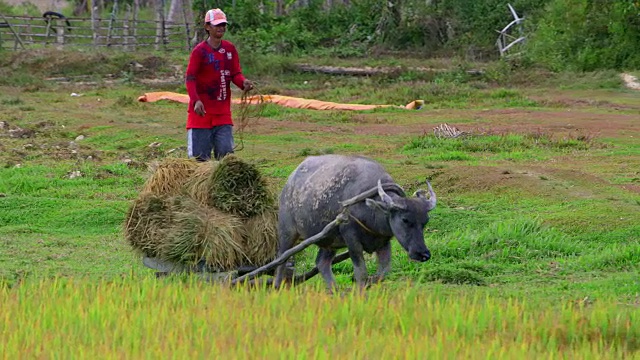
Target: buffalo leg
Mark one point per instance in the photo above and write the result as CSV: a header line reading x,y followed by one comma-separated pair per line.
x,y
286,241
359,265
356,253
324,260
384,262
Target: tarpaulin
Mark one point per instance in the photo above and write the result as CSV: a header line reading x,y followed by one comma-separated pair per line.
x,y
286,101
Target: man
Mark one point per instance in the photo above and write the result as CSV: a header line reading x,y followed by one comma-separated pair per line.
x,y
213,65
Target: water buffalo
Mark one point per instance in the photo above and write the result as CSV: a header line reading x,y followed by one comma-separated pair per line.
x,y
312,198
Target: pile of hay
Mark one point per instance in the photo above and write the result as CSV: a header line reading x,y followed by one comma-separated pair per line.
x,y
220,213
169,176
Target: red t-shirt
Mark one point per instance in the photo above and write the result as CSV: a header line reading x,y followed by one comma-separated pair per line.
x,y
208,79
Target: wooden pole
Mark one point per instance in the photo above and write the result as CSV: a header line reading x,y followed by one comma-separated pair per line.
x,y
184,4
136,9
159,23
94,23
341,218
112,20
164,28
125,28
299,279
60,33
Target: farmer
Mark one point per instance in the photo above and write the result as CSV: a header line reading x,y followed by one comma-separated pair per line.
x,y
213,65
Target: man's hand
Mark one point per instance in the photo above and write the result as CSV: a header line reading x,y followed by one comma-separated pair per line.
x,y
247,85
199,108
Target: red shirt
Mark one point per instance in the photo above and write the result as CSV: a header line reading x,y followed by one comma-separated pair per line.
x,y
208,79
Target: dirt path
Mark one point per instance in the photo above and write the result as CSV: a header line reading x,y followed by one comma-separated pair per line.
x,y
493,121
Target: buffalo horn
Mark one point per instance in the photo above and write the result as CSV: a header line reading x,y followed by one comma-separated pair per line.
x,y
431,201
383,195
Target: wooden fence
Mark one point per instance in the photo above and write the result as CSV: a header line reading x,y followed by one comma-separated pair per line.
x,y
127,33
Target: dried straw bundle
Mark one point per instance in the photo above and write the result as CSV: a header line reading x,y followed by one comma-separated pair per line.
x,y
147,222
221,213
198,186
261,237
201,233
169,176
238,188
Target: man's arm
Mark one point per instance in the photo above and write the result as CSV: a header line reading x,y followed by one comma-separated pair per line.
x,y
190,77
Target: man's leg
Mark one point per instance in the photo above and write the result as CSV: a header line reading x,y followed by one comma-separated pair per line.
x,y
222,141
199,143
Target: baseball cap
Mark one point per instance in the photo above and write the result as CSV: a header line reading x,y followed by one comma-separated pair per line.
x,y
215,17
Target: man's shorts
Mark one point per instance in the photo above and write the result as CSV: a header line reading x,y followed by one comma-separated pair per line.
x,y
201,142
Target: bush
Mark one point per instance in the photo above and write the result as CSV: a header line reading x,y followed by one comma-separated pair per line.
x,y
587,35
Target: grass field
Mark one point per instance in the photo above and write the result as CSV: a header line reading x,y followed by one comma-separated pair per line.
x,y
535,239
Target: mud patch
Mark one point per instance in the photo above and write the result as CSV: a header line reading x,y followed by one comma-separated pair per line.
x,y
15,132
469,179
576,103
632,188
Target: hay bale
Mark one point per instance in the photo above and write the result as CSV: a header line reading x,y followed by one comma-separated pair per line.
x,y
198,186
169,176
221,213
146,223
261,237
238,188
201,233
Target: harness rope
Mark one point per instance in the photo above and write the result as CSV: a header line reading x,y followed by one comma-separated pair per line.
x,y
362,224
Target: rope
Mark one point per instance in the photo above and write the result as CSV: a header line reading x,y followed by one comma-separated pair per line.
x,y
364,226
250,110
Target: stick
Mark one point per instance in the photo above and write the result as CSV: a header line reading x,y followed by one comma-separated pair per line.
x,y
313,272
341,218
298,279
371,192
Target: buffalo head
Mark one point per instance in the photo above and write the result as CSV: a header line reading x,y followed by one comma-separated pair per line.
x,y
407,218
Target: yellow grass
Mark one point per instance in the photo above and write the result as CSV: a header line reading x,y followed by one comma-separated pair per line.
x,y
261,238
199,232
148,318
198,186
168,177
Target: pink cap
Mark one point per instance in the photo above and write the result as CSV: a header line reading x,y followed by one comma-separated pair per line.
x,y
215,17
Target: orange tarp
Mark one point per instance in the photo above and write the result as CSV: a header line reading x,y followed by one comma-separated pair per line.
x,y
287,101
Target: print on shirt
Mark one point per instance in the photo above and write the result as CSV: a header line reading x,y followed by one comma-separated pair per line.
x,y
223,86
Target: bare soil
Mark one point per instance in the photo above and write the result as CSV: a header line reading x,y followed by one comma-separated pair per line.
x,y
485,121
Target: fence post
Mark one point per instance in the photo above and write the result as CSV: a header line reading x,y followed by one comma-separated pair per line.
x,y
125,28
159,23
136,9
112,20
60,33
184,4
94,25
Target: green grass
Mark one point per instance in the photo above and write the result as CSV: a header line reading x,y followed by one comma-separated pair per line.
x,y
535,239
507,143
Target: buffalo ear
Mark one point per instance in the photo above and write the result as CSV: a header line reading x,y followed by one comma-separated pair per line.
x,y
377,205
